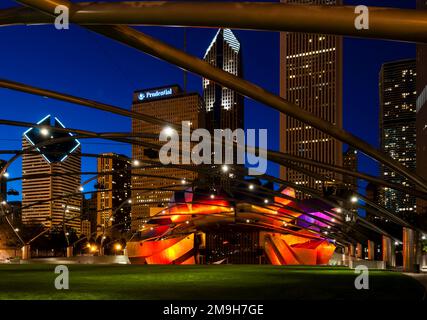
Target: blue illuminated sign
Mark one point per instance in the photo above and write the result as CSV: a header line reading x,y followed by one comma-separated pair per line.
x,y
156,93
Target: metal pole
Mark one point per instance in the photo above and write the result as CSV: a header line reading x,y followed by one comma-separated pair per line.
x,y
81,101
384,23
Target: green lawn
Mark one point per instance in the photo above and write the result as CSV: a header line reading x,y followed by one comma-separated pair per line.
x,y
201,282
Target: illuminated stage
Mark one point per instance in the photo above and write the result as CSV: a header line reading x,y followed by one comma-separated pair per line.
x,y
199,228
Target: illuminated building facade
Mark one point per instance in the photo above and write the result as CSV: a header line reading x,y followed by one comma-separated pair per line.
x,y
50,163
89,212
173,105
311,77
86,228
224,107
350,163
421,122
114,185
397,129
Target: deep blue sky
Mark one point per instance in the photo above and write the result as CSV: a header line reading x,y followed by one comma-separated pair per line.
x,y
81,63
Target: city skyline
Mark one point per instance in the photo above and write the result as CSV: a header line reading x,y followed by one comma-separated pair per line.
x,y
198,40
317,131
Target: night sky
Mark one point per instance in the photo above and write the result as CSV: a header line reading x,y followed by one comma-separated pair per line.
x,y
84,64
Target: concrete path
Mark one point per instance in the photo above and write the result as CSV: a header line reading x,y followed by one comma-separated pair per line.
x,y
421,278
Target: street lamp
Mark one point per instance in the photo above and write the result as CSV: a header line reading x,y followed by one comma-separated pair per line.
x,y
44,132
168,131
354,199
225,168
136,163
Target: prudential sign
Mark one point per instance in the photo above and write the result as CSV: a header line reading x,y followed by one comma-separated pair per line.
x,y
155,94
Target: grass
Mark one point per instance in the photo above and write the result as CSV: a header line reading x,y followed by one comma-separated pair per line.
x,y
151,282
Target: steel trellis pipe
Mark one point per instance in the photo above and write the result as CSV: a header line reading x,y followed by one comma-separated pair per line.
x,y
84,102
384,23
278,157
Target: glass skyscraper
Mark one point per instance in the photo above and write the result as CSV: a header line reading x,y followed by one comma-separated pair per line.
x,y
397,129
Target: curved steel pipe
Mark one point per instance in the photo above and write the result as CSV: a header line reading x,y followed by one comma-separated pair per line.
x,y
84,102
278,157
384,23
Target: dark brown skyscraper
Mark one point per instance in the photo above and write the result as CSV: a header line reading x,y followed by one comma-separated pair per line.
x,y
311,77
421,118
350,163
397,129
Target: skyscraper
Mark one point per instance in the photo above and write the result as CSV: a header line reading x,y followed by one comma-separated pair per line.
x,y
224,107
173,105
350,163
397,129
311,77
48,193
89,214
421,121
114,184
